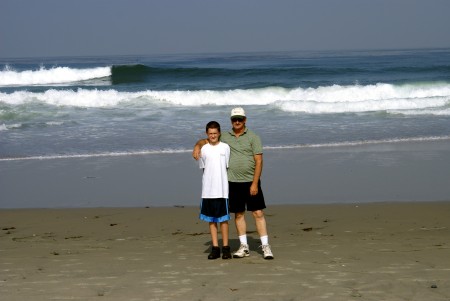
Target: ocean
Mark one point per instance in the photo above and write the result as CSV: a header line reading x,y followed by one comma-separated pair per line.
x,y
66,107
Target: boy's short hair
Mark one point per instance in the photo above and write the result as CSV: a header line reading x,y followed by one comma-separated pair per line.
x,y
213,125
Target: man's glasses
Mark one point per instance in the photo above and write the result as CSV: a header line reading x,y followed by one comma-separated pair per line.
x,y
236,119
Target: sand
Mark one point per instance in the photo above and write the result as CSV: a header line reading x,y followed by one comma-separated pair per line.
x,y
362,222
373,251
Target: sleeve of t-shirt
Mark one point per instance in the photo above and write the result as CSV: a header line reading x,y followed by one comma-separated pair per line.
x,y
257,145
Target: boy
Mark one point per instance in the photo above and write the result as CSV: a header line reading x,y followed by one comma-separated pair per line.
x,y
214,160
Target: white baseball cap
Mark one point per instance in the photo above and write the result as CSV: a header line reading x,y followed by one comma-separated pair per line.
x,y
237,112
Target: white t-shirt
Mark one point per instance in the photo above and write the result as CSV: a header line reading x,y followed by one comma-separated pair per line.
x,y
214,161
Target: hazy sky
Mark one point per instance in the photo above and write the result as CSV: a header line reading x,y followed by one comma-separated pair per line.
x,y
105,27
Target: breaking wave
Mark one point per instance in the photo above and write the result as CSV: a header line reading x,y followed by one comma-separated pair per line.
x,y
432,98
51,76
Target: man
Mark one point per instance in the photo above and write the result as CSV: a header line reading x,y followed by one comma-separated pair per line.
x,y
244,172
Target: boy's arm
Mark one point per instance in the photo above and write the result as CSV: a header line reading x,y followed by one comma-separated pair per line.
x,y
197,148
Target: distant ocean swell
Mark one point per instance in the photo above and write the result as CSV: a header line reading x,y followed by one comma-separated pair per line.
x,y
142,73
125,74
139,73
431,98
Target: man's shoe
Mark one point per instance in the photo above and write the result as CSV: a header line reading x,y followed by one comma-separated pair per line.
x,y
242,252
267,252
226,252
215,253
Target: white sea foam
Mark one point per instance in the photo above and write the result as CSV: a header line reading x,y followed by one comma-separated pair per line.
x,y
98,155
78,98
56,75
4,127
410,99
362,142
54,123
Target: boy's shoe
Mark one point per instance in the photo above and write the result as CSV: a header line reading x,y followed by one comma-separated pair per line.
x,y
242,252
267,252
215,253
226,252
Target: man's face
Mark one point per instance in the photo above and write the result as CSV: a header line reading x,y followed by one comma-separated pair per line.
x,y
213,136
238,123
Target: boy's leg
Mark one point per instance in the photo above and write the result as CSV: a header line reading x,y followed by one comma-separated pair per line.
x,y
224,229
214,236
241,226
226,251
215,249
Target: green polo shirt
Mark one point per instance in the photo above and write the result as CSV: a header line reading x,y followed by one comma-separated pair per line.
x,y
243,148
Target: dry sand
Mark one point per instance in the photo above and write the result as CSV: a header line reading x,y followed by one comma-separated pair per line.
x,y
379,251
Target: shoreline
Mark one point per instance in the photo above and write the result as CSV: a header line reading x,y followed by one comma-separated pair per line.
x,y
377,251
295,147
392,172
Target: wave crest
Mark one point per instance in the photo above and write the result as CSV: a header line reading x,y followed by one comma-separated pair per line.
x,y
56,75
407,99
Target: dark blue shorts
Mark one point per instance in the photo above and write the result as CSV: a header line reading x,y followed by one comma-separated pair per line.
x,y
214,210
241,200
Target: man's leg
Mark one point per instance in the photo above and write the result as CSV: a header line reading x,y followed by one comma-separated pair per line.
x,y
241,228
260,222
261,227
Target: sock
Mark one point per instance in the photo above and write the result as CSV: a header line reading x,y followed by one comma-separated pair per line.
x,y
243,239
264,240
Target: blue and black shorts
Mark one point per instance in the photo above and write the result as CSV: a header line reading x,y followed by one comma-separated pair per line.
x,y
214,210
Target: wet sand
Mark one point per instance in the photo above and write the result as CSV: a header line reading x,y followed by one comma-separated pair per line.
x,y
404,171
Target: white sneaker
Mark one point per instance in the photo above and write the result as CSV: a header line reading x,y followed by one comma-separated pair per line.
x,y
267,252
242,252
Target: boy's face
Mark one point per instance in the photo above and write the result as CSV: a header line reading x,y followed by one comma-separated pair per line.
x,y
213,136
